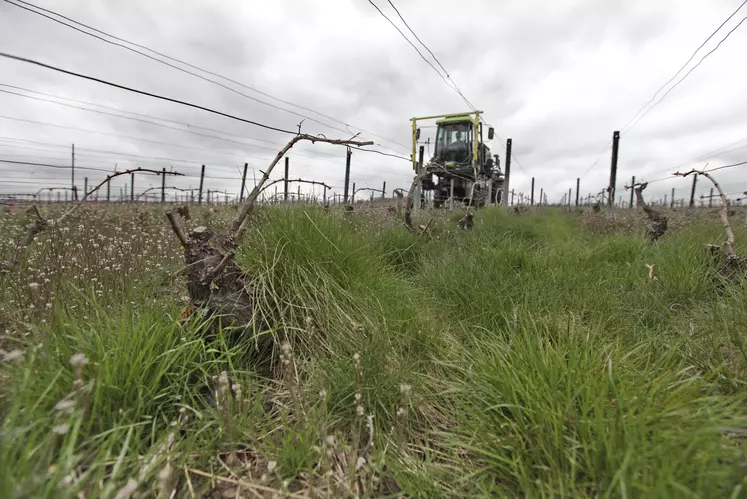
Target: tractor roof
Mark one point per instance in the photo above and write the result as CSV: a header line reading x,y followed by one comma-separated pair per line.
x,y
455,119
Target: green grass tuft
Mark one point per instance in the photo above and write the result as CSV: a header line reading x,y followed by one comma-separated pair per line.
x,y
532,356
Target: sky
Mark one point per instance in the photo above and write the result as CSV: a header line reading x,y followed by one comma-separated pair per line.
x,y
557,77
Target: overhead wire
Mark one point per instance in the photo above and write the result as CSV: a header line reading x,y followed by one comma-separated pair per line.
x,y
673,177
120,136
86,168
410,42
160,54
720,151
159,159
141,92
117,154
140,120
692,56
87,103
163,62
432,55
453,84
446,72
118,157
47,165
711,154
189,125
596,161
689,72
636,119
321,153
726,166
35,182
381,153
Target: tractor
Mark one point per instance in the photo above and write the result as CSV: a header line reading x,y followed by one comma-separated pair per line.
x,y
462,167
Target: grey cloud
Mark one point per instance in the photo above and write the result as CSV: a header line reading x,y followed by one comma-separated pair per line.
x,y
557,77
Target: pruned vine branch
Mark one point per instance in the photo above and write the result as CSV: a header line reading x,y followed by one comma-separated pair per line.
x,y
659,222
728,246
108,179
410,201
172,188
367,189
297,181
239,225
39,225
177,228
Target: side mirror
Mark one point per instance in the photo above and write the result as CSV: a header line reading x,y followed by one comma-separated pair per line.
x,y
491,133
417,134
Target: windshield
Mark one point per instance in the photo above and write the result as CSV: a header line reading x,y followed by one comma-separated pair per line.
x,y
453,142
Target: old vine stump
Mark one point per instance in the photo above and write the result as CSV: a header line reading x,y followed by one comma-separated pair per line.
x,y
225,294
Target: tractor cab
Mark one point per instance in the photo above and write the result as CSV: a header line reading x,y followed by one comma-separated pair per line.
x,y
454,148
454,142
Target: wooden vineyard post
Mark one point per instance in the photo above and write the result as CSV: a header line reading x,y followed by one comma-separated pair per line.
x,y
692,192
613,171
418,187
347,176
285,183
451,195
531,199
202,183
243,183
507,175
163,185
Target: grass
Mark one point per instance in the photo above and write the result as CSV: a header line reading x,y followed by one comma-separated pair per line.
x,y
532,356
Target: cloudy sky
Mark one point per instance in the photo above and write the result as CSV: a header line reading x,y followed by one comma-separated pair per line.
x,y
558,77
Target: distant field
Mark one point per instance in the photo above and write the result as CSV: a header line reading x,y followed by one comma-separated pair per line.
x,y
536,355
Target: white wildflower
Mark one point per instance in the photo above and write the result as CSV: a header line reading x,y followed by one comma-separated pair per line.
x,y
61,429
78,360
65,405
285,348
13,355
